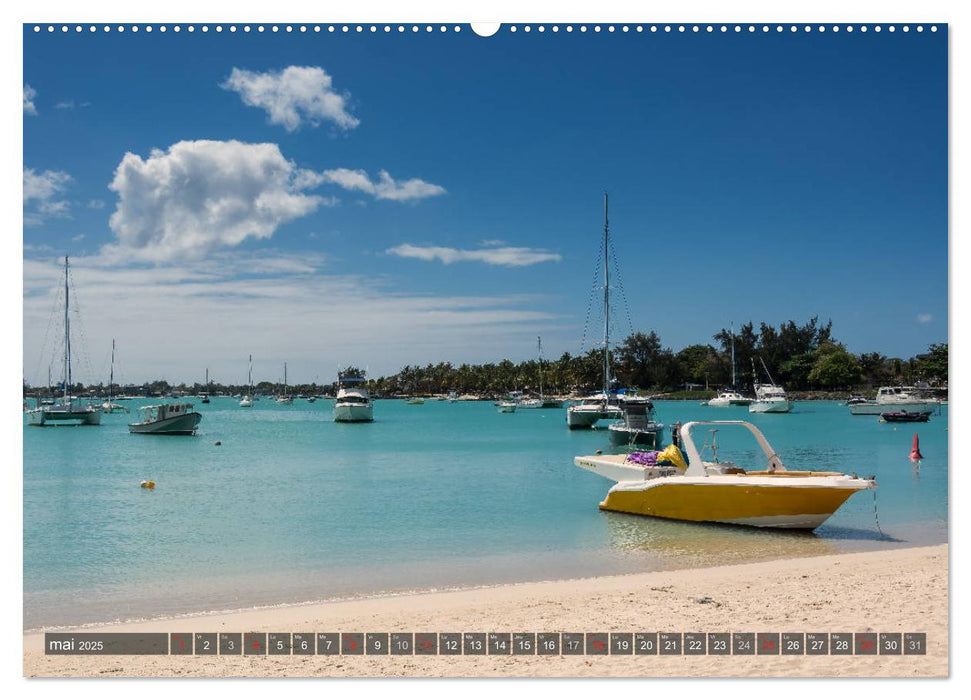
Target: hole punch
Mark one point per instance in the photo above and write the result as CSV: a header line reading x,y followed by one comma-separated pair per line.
x,y
485,29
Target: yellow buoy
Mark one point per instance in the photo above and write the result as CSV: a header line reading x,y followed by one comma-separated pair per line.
x,y
148,484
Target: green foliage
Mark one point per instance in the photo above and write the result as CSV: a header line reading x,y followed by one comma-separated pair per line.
x,y
834,367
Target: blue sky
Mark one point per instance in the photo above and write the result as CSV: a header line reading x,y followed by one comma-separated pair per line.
x,y
767,176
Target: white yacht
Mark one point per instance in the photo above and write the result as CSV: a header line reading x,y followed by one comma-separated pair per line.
x,y
353,403
67,412
590,409
769,398
895,398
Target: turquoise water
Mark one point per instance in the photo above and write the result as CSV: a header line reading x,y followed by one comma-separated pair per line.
x,y
293,507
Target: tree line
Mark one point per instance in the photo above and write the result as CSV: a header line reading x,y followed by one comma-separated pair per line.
x,y
800,357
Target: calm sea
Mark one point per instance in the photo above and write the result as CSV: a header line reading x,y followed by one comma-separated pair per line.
x,y
293,507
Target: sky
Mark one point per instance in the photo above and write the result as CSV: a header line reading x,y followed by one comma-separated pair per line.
x,y
330,199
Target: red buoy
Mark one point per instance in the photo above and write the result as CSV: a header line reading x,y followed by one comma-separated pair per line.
x,y
915,455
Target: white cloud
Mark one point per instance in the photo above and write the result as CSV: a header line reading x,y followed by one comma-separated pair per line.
x,y
507,256
96,204
67,104
924,318
295,95
386,186
271,304
200,196
29,95
40,194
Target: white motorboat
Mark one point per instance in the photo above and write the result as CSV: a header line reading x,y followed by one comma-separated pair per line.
x,y
638,426
67,412
353,404
722,492
167,419
895,399
507,406
769,398
589,410
729,398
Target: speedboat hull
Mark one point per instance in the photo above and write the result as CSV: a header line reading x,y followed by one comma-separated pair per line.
x,y
621,434
580,417
185,424
905,417
353,413
778,501
876,409
62,415
783,406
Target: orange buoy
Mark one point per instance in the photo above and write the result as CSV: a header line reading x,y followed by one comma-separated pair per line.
x,y
915,455
148,484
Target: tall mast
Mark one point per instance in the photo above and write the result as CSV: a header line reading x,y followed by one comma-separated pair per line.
x,y
251,374
284,378
606,362
67,336
539,348
111,377
733,354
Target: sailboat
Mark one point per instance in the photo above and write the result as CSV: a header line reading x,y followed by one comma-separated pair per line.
x,y
540,402
590,409
108,406
205,396
731,397
67,412
769,398
285,396
246,401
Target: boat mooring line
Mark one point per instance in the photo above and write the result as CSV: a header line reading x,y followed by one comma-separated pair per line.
x,y
876,516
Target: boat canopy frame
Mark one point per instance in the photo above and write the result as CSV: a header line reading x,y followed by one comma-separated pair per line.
x,y
696,466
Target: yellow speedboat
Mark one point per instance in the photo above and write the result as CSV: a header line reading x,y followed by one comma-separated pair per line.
x,y
723,492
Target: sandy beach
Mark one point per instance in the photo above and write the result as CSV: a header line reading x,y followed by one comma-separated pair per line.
x,y
901,590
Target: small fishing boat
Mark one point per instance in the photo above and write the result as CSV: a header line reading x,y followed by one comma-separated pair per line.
x,y
905,417
415,402
167,419
638,426
723,492
507,407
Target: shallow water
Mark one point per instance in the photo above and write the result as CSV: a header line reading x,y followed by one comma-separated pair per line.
x,y
294,507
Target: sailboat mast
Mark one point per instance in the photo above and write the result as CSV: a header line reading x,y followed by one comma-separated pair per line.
x,y
606,361
539,350
111,376
67,336
251,374
733,354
